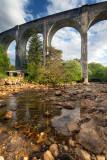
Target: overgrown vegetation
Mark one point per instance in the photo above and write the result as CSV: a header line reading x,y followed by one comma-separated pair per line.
x,y
97,72
56,70
4,62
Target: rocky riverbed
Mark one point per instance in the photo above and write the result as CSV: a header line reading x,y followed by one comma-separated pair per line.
x,y
60,123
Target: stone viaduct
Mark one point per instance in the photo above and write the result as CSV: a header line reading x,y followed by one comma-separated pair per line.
x,y
80,18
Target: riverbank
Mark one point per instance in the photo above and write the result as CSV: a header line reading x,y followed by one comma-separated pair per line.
x,y
87,139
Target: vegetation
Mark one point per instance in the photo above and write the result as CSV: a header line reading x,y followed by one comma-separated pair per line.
x,y
4,63
97,72
56,70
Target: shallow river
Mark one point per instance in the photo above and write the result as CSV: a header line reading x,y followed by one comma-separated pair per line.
x,y
33,111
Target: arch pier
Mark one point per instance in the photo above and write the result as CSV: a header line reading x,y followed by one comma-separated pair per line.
x,y
80,18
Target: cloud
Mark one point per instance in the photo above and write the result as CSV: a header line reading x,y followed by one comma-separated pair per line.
x,y
70,41
13,12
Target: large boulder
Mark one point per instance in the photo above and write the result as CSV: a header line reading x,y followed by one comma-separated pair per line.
x,y
90,140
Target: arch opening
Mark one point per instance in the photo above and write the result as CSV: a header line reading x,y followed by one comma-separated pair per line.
x,y
68,40
97,51
11,52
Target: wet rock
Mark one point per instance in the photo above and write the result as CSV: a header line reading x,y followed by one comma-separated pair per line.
x,y
48,155
87,103
68,105
100,157
71,142
64,157
1,158
90,140
8,115
25,158
3,137
73,126
82,154
54,150
103,104
11,147
42,137
36,155
58,93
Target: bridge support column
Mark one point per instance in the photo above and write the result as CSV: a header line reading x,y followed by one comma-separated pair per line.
x,y
20,56
44,43
84,56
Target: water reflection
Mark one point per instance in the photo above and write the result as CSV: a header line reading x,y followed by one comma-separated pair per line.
x,y
60,122
29,110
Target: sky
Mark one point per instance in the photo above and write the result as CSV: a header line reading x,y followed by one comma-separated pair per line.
x,y
16,12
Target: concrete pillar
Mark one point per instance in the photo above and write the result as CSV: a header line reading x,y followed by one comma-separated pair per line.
x,y
44,42
84,56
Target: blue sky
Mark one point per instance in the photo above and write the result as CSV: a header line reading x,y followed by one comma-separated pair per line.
x,y
21,11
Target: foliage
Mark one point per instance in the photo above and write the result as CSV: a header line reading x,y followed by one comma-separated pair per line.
x,y
72,70
4,61
97,72
34,57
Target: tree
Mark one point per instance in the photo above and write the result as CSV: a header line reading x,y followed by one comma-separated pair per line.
x,y
97,72
53,72
34,57
72,71
4,61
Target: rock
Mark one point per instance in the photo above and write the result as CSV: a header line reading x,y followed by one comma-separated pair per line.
x,y
82,154
103,104
90,140
64,157
68,105
66,149
100,157
71,142
54,150
26,158
73,126
58,93
48,155
42,137
87,103
1,158
9,115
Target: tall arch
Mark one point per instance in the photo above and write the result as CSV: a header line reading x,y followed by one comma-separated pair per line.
x,y
61,24
98,18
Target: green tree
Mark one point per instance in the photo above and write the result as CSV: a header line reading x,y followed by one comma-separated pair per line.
x,y
34,57
4,61
53,72
72,71
97,72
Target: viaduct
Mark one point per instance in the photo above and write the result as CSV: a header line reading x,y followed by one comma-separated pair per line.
x,y
80,18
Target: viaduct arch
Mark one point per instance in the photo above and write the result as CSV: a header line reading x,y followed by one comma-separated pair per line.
x,y
80,18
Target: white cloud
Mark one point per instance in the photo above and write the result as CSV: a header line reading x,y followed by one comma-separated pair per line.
x,y
70,42
13,12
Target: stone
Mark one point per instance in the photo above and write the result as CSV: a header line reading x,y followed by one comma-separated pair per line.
x,y
48,155
71,142
26,158
90,140
100,157
64,157
87,103
73,126
58,93
54,150
1,158
82,154
8,115
103,104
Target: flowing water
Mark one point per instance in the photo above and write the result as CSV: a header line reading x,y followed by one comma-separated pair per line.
x,y
33,112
